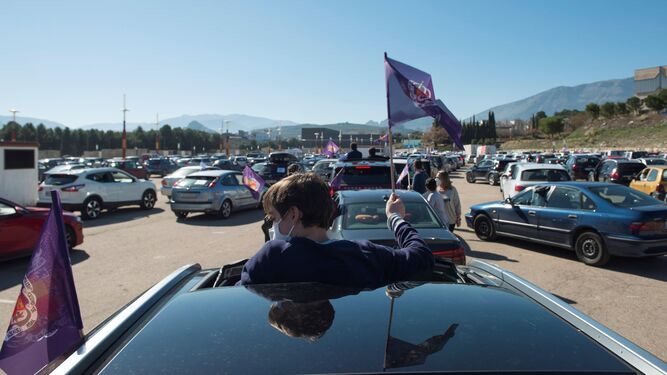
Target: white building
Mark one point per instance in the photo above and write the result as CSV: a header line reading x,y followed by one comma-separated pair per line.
x,y
18,172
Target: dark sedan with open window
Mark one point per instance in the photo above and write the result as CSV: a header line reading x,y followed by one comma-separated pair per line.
x,y
596,220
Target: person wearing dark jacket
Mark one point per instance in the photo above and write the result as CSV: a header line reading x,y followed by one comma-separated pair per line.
x,y
300,250
353,154
419,179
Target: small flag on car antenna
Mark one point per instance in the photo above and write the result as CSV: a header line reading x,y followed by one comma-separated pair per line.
x,y
46,323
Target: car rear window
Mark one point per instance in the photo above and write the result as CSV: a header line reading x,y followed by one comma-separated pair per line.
x,y
364,175
622,196
371,215
60,179
185,171
588,161
550,175
155,162
633,168
196,181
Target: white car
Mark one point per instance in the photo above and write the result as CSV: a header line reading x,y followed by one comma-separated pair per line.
x,y
92,190
241,161
518,176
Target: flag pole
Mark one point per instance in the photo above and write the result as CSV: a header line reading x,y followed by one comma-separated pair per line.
x,y
389,135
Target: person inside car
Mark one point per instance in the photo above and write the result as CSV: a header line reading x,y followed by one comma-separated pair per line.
x,y
372,155
300,250
353,154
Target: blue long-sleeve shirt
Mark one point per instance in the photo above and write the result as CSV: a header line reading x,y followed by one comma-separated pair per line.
x,y
419,182
352,263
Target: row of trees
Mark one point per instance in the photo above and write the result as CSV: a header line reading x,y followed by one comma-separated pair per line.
x,y
657,102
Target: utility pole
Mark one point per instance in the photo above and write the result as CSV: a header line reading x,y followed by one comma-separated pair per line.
x,y
124,142
227,139
222,124
14,111
157,132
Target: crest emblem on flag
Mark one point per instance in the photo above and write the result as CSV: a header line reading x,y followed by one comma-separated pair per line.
x,y
419,93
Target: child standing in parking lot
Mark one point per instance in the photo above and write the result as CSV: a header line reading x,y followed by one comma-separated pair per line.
x,y
451,199
435,200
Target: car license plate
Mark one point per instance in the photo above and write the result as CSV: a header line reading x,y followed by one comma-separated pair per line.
x,y
280,169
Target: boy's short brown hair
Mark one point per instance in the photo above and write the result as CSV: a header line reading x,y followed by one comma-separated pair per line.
x,y
305,191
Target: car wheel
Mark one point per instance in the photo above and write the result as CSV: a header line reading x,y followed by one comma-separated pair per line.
x,y
591,250
181,214
70,236
92,208
469,178
492,180
484,228
148,200
225,209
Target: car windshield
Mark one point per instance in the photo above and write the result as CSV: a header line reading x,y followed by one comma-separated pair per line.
x,y
542,175
60,179
656,161
260,168
365,175
371,215
622,196
195,181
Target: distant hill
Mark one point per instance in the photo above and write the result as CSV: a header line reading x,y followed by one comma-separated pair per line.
x,y
196,125
564,97
35,121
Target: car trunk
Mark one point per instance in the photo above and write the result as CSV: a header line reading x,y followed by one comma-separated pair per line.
x,y
628,171
653,221
194,189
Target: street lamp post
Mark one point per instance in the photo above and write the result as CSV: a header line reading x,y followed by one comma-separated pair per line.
x,y
124,141
14,111
157,132
316,135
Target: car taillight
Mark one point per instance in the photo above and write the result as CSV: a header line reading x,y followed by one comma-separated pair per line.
x,y
649,227
615,175
456,255
163,182
362,167
575,167
518,187
212,184
73,188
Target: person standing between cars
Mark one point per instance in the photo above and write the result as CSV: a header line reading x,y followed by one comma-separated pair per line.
x,y
451,198
435,200
419,179
300,250
353,154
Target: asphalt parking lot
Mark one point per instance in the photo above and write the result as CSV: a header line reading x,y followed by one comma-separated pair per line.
x,y
128,250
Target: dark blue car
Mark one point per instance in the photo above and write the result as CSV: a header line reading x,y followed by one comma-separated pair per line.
x,y
596,220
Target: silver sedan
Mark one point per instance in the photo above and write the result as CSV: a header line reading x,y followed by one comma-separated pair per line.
x,y
169,180
214,192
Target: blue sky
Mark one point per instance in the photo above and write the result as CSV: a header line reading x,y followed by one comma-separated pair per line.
x,y
308,61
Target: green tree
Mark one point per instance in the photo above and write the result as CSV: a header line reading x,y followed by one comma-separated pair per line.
x,y
593,109
634,104
655,103
608,110
551,125
28,132
621,108
663,95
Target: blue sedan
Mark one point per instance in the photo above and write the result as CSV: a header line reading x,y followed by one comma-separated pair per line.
x,y
596,220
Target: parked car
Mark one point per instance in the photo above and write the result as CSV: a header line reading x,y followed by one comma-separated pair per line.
x,y
255,157
275,168
620,171
596,220
226,164
159,166
527,174
651,181
214,192
652,161
359,175
324,167
580,165
169,180
20,228
95,189
399,164
488,171
199,161
470,319
240,161
361,216
130,166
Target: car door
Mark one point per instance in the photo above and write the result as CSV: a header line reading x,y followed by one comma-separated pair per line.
x,y
521,216
480,171
124,187
232,190
18,230
561,214
639,183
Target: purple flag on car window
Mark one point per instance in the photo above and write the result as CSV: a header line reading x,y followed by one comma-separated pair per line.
x,y
253,181
410,96
331,149
46,322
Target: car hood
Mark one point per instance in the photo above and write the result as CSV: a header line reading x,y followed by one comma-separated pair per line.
x,y
314,328
45,211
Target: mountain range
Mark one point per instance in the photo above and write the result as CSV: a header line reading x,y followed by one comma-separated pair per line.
x,y
550,101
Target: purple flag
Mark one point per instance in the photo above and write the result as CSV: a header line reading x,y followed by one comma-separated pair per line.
x,y
404,173
331,149
382,138
410,96
46,322
253,181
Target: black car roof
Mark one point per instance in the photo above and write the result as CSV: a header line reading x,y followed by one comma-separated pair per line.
x,y
314,328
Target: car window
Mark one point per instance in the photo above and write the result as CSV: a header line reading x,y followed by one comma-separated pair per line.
x,y
566,198
642,176
371,215
587,203
530,197
514,172
664,175
622,196
60,179
551,175
6,210
365,175
98,177
229,180
652,176
239,178
121,177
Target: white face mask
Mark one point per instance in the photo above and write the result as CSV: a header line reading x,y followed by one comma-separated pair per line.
x,y
275,233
